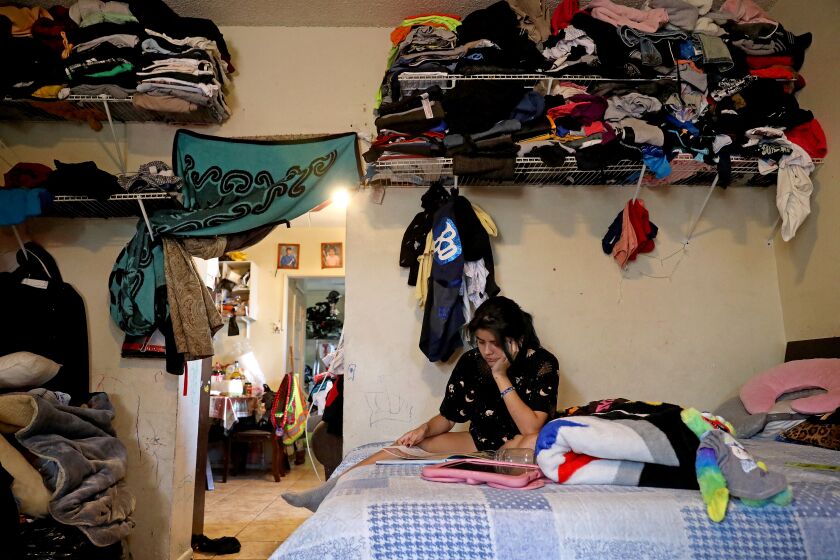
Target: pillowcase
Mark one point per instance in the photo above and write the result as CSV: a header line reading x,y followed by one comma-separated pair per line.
x,y
820,432
766,424
745,424
776,427
761,391
24,370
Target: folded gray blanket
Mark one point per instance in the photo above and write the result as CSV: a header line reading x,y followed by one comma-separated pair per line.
x,y
81,460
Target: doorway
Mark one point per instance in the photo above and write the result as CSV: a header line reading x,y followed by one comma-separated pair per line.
x,y
314,321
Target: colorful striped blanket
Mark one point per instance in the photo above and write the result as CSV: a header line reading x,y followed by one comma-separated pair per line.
x,y
619,442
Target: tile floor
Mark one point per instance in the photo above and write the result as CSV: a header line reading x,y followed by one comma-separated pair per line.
x,y
249,507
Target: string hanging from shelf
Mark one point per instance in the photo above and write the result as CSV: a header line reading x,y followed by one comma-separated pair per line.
x,y
121,163
639,183
774,229
702,208
20,242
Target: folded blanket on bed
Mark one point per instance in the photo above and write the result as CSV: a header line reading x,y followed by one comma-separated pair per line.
x,y
620,442
631,443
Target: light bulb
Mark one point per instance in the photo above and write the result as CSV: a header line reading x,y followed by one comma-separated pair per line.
x,y
340,197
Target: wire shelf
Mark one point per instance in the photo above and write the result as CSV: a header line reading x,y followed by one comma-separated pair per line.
x,y
116,206
412,81
122,110
420,172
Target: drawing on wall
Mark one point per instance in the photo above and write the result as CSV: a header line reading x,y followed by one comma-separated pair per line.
x,y
388,407
288,255
332,255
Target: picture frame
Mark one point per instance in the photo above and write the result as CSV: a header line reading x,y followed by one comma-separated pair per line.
x,y
332,255
288,256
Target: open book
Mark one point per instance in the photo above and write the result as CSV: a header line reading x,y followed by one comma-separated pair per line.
x,y
402,453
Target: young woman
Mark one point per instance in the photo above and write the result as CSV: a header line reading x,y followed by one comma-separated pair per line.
x,y
506,388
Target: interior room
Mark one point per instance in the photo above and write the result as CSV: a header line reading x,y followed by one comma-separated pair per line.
x,y
284,277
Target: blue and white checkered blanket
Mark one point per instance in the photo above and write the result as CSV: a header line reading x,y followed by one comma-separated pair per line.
x,y
390,513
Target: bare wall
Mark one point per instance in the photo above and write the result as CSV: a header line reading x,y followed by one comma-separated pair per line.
x,y
809,265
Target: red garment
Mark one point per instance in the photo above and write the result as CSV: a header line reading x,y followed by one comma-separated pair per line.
x,y
26,175
811,137
775,72
332,394
562,16
595,128
756,62
640,219
584,108
628,243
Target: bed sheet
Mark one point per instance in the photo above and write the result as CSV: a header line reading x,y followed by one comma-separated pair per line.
x,y
389,512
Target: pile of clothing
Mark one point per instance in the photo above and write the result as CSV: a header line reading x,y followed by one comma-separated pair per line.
x,y
705,83
67,468
139,49
631,233
447,250
30,187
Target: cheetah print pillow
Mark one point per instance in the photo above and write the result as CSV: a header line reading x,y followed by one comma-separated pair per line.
x,y
821,432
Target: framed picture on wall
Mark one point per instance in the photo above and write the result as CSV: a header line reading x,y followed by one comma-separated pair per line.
x,y
332,255
288,255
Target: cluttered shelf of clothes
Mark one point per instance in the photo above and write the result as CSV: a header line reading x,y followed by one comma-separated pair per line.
x,y
677,92
126,61
32,189
62,468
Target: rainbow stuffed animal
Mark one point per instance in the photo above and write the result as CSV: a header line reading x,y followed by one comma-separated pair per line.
x,y
725,468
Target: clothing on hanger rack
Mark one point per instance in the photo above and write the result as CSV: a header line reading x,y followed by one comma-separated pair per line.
x,y
47,317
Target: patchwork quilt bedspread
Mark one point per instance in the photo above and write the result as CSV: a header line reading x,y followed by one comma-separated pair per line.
x,y
389,512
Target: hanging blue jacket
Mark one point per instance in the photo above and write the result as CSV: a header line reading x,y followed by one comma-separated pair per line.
x,y
444,314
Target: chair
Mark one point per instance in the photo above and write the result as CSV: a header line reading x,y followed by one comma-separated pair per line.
x,y
279,467
326,447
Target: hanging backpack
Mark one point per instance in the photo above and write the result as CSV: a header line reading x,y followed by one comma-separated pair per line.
x,y
288,411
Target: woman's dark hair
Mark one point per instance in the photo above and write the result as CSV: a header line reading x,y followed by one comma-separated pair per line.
x,y
505,319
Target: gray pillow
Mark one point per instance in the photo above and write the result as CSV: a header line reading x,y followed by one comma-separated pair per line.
x,y
745,424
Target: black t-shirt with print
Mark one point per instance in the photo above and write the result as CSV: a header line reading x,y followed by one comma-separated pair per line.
x,y
473,396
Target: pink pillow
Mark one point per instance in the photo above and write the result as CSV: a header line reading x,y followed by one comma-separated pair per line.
x,y
759,394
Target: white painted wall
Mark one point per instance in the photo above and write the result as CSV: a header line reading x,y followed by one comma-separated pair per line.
x,y
692,336
183,476
809,265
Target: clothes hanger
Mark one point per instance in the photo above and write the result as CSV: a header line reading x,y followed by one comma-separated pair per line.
x,y
454,190
26,252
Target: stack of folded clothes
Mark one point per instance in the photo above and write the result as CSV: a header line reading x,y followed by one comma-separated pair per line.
x,y
140,50
104,55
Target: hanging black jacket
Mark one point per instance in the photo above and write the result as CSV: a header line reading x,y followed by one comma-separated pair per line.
x,y
414,238
49,321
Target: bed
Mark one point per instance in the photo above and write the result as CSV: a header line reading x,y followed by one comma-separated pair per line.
x,y
389,512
